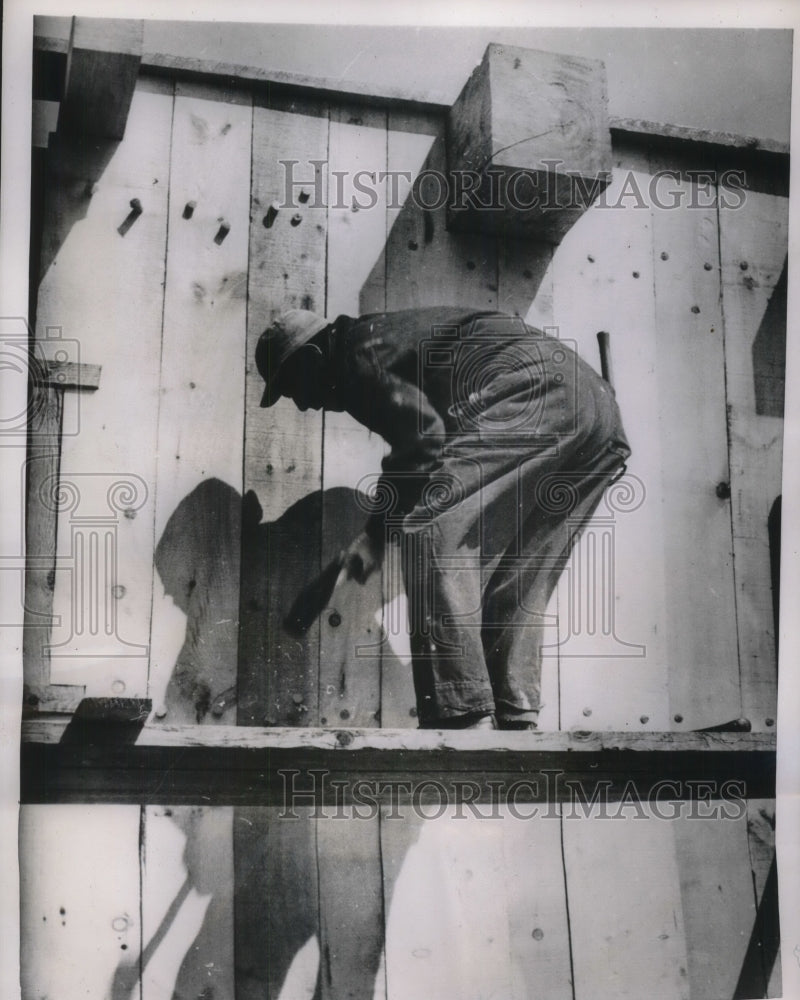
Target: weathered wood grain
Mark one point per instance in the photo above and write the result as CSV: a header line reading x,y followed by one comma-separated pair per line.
x,y
278,672
69,375
42,468
753,248
81,931
612,650
201,412
626,926
349,663
690,364
716,885
447,931
187,902
525,280
102,66
195,621
287,270
276,896
765,938
628,127
100,303
260,770
50,730
525,126
351,906
425,264
539,935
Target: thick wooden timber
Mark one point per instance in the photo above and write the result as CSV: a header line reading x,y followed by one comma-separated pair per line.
x,y
229,765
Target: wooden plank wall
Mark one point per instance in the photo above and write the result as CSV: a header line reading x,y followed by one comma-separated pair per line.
x,y
683,313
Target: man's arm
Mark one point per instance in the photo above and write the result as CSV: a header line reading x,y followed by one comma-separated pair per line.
x,y
403,415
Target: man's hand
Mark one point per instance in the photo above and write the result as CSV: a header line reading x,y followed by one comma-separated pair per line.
x,y
361,558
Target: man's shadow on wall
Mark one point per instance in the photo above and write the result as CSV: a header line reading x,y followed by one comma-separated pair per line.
x,y
214,558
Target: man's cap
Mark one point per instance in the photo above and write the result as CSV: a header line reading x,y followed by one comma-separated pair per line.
x,y
283,337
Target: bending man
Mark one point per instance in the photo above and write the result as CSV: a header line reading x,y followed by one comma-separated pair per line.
x,y
502,443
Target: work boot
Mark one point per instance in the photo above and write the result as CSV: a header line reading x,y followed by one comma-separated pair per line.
x,y
471,721
525,725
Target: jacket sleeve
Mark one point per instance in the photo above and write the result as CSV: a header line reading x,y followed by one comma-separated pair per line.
x,y
404,416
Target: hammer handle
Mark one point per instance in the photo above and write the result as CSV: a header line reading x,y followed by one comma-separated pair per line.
x,y
604,342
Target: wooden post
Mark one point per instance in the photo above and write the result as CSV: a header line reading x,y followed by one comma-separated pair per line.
x,y
528,144
102,66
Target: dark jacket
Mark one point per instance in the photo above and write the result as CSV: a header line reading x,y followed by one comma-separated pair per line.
x,y
419,377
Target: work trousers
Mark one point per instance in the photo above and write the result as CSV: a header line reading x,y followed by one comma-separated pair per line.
x,y
491,534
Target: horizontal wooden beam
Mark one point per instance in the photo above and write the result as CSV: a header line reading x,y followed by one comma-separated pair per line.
x,y
229,765
639,127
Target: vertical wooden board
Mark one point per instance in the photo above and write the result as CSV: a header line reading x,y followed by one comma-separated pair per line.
x,y
525,288
201,417
283,447
42,465
288,236
761,843
539,941
276,900
701,641
716,884
349,679
612,651
357,209
351,905
100,302
624,903
78,923
275,858
187,903
447,926
425,264
753,249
